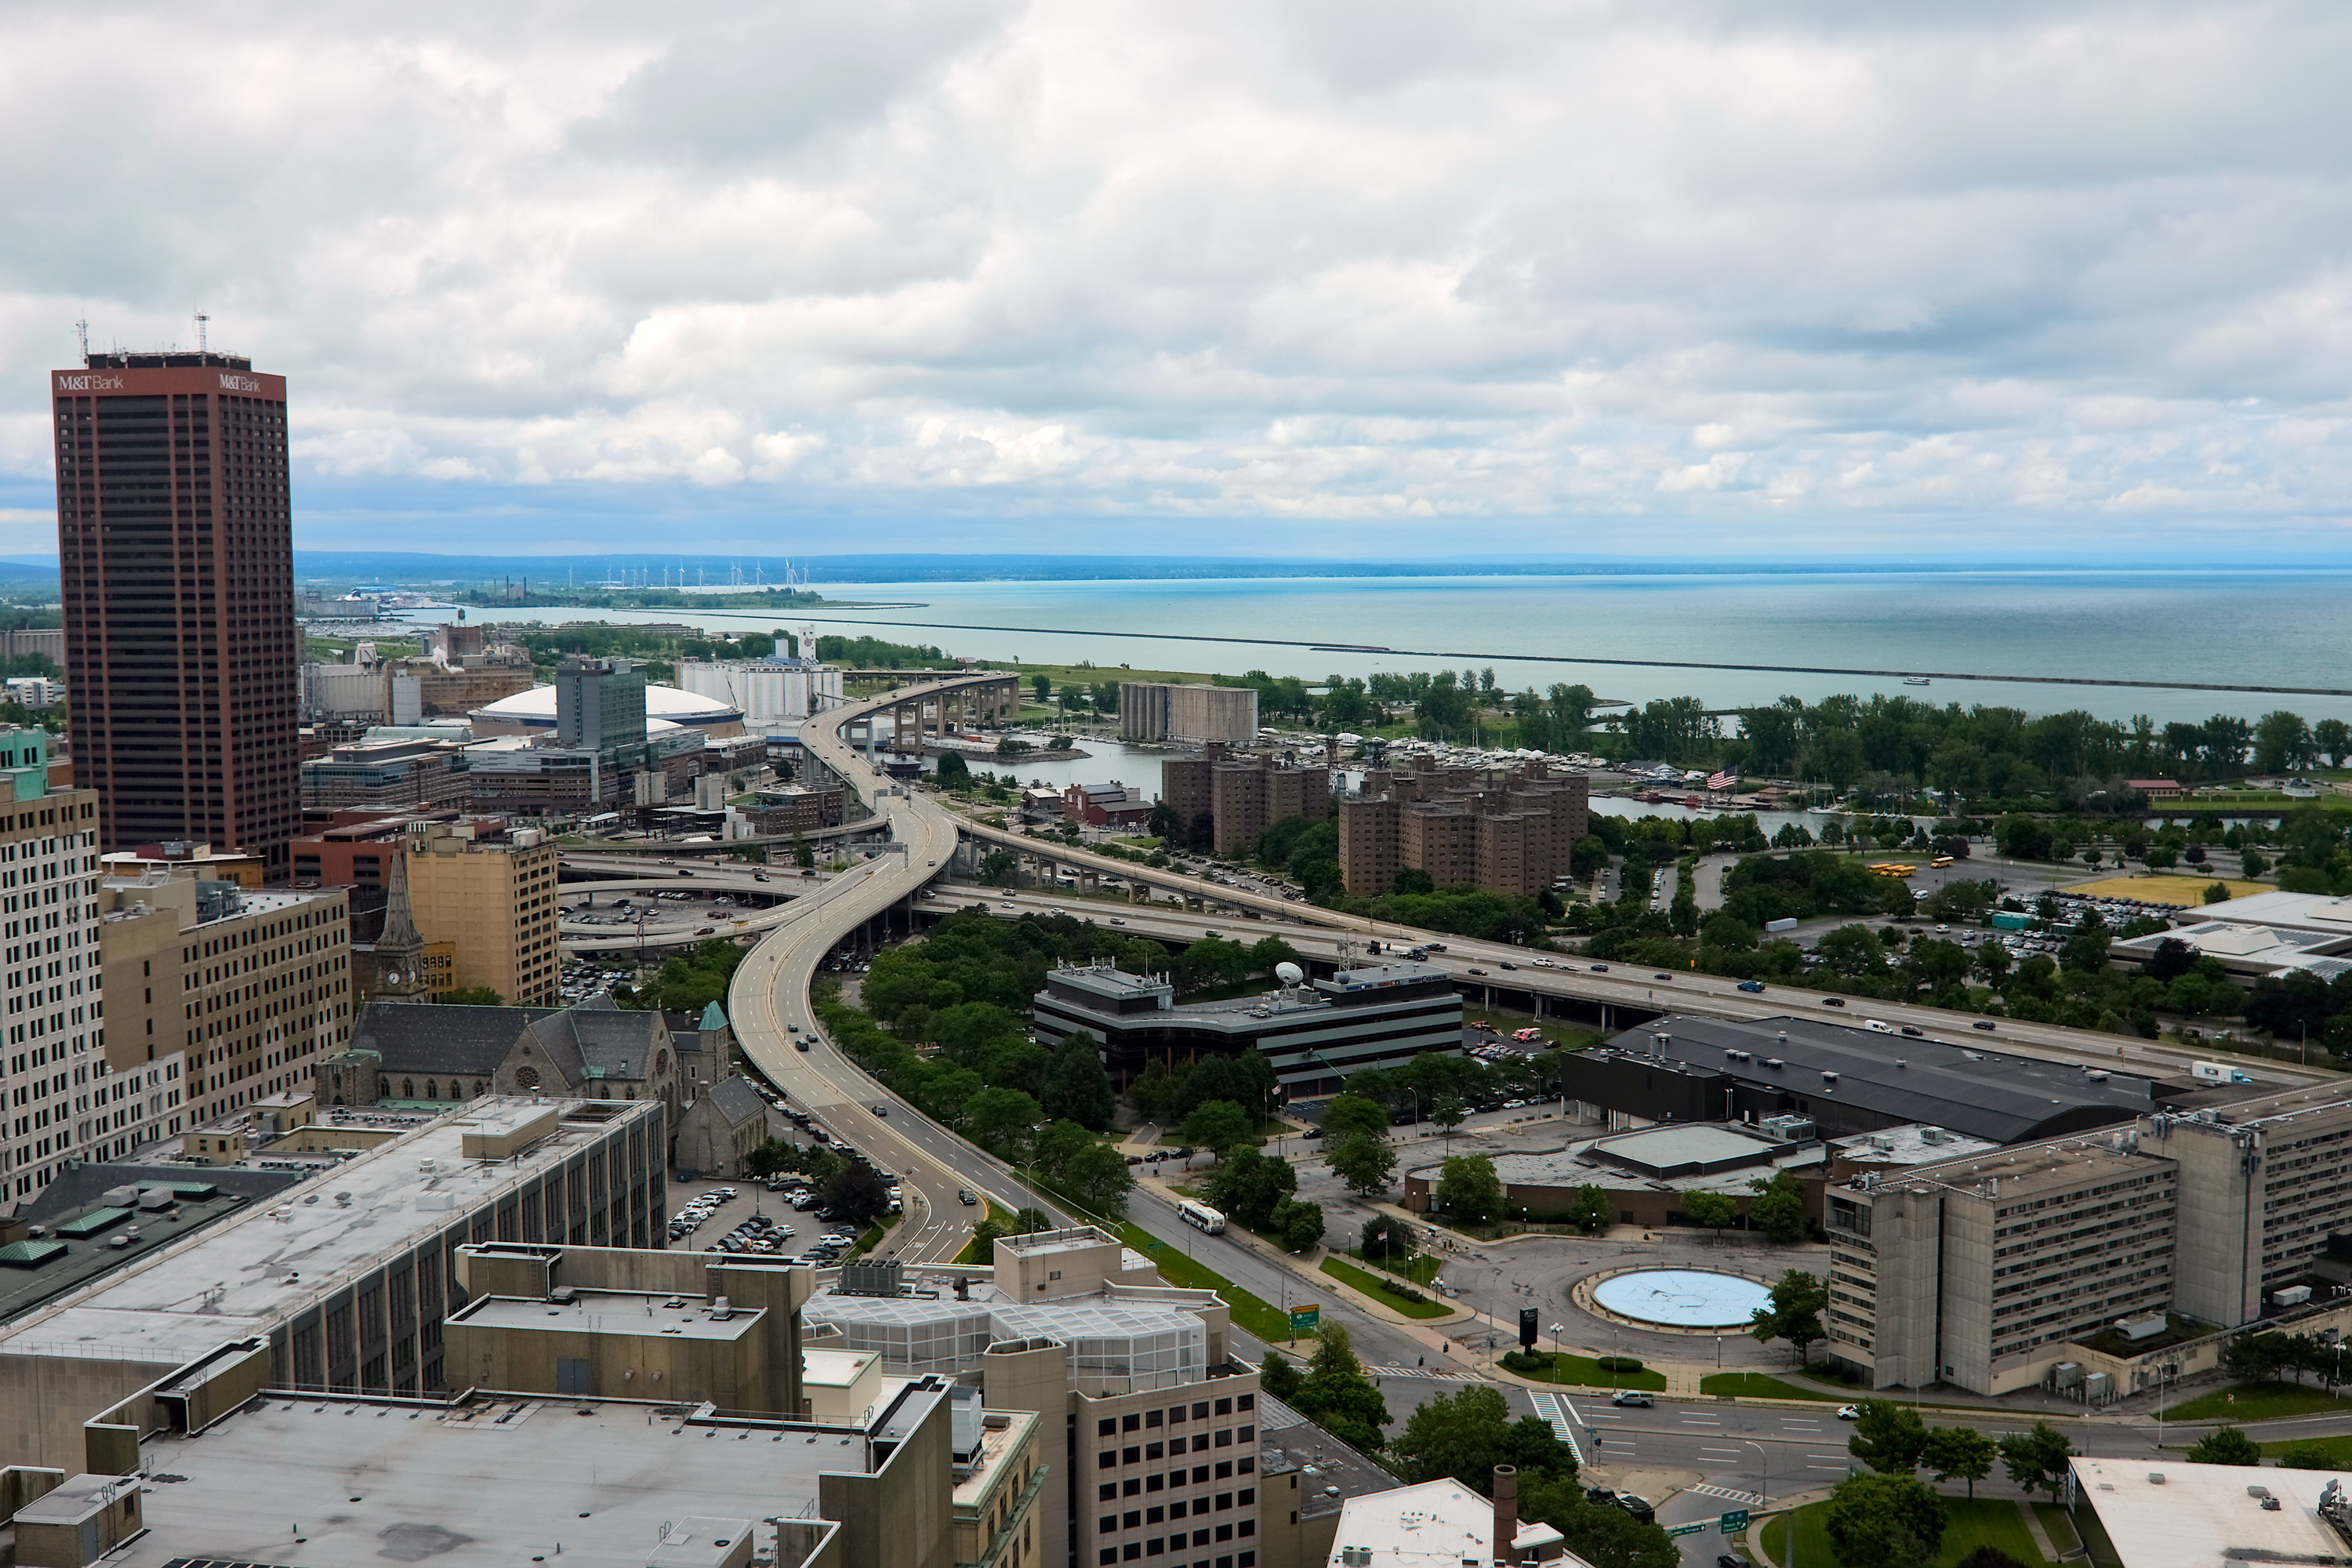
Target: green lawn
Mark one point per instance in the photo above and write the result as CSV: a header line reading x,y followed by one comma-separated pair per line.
x,y
1421,1270
1355,1277
1987,1521
1756,1385
2255,1402
2339,1448
1583,1370
1254,1313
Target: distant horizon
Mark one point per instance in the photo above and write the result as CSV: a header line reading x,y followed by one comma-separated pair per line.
x,y
917,566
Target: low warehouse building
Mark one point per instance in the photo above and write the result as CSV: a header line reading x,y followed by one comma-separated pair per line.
x,y
1647,1175
1848,1078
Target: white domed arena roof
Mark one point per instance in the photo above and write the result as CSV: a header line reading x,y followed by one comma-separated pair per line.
x,y
666,707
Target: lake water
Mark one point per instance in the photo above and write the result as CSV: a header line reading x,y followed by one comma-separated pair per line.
x,y
2267,629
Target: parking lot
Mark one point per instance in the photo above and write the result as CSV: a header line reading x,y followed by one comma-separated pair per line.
x,y
665,913
782,1219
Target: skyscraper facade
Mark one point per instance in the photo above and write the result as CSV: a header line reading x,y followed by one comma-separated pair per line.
x,y
175,544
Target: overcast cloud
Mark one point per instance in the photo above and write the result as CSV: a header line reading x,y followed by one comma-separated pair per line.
x,y
1461,277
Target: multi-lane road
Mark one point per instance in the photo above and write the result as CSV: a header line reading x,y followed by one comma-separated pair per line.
x,y
770,999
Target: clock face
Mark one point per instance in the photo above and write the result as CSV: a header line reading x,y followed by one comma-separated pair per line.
x,y
392,978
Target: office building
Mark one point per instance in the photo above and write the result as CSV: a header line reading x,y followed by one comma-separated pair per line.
x,y
1512,832
61,1096
1157,1460
349,1293
255,988
1995,1270
175,557
1158,710
599,702
387,771
496,901
1312,1036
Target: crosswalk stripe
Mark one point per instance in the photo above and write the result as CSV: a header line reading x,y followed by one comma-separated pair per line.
x,y
1547,1406
1726,1493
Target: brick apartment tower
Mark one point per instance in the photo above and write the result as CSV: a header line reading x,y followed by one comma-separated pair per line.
x,y
175,543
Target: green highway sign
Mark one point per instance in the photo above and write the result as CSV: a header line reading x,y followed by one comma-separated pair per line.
x,y
1688,1529
1304,1320
1735,1522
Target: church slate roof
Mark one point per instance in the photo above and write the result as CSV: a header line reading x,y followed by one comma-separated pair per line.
x,y
737,1101
602,1044
432,1038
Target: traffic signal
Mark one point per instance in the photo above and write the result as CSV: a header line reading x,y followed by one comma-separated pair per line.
x,y
1527,1328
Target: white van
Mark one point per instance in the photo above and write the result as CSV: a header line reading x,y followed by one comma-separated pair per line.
x,y
1876,1027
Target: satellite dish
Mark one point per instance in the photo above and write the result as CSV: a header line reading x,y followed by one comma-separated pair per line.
x,y
1289,973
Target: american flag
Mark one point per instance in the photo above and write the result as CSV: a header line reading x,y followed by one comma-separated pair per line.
x,y
1722,780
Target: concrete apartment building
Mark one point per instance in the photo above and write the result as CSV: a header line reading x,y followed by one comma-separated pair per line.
x,y
495,900
1158,710
53,1071
255,988
1312,1036
1512,832
1980,1272
1990,1270
1226,798
1150,1424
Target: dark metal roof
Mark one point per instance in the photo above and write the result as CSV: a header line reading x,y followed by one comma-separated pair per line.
x,y
1991,1094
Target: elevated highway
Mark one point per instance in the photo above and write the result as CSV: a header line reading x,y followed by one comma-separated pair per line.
x,y
770,999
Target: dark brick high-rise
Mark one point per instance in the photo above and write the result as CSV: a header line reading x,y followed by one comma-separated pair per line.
x,y
175,542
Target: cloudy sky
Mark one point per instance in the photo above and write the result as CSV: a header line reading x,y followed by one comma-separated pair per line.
x,y
1289,276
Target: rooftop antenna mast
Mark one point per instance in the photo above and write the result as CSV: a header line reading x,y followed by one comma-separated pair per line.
x,y
82,331
202,322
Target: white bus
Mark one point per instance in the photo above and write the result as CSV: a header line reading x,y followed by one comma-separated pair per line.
x,y
1200,1217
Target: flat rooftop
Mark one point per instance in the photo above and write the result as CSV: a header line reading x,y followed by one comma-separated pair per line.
x,y
487,1484
246,1274
1329,1472
58,1265
1998,1096
2201,1516
1576,1165
1913,1145
648,1316
997,1443
1433,1525
2040,1167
